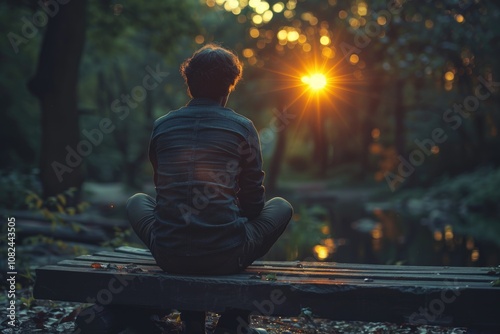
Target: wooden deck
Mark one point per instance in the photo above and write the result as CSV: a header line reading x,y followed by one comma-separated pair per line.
x,y
452,296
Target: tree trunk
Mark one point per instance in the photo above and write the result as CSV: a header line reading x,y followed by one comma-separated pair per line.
x,y
320,155
55,85
134,165
375,90
276,162
399,116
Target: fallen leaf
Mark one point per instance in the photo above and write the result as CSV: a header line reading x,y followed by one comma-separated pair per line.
x,y
70,317
271,277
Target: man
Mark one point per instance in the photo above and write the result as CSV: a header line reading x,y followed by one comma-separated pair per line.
x,y
210,215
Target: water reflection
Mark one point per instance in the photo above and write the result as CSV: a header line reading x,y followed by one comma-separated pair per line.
x,y
401,238
385,236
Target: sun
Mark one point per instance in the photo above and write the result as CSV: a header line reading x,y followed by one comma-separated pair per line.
x,y
315,85
315,81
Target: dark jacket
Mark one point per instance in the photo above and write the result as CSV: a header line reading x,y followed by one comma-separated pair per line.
x,y
208,175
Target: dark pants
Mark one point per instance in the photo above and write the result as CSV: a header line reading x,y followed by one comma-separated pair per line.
x,y
261,233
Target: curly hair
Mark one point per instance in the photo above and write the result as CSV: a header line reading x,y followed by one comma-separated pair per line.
x,y
211,72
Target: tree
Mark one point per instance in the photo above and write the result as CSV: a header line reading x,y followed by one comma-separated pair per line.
x,y
397,48
56,79
54,84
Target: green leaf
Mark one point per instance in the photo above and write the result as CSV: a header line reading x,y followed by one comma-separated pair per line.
x,y
51,200
271,277
62,199
47,214
39,203
70,192
76,227
60,209
27,301
82,206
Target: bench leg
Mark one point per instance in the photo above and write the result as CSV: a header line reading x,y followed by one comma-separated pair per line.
x,y
234,321
194,322
113,319
97,319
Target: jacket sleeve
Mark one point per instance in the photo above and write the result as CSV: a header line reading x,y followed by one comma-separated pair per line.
x,y
251,195
152,156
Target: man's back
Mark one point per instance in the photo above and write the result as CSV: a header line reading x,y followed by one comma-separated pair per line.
x,y
201,154
209,215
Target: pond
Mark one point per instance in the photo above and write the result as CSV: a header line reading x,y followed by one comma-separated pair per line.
x,y
392,240
377,233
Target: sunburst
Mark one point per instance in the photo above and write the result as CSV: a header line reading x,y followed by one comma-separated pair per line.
x,y
315,86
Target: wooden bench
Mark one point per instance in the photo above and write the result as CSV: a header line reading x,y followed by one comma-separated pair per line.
x,y
451,296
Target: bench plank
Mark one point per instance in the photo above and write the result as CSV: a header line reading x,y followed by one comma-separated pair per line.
x,y
371,272
334,265
123,255
150,265
432,295
292,277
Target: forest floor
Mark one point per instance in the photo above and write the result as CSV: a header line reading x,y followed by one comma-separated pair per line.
x,y
50,317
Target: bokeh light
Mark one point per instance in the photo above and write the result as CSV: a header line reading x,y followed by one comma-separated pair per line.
x,y
324,40
354,58
449,76
321,252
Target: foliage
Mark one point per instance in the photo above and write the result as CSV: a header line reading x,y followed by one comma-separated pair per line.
x,y
129,35
308,228
478,188
155,24
416,42
468,203
14,186
57,209
29,279
138,36
64,203
121,238
19,128
60,245
379,53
